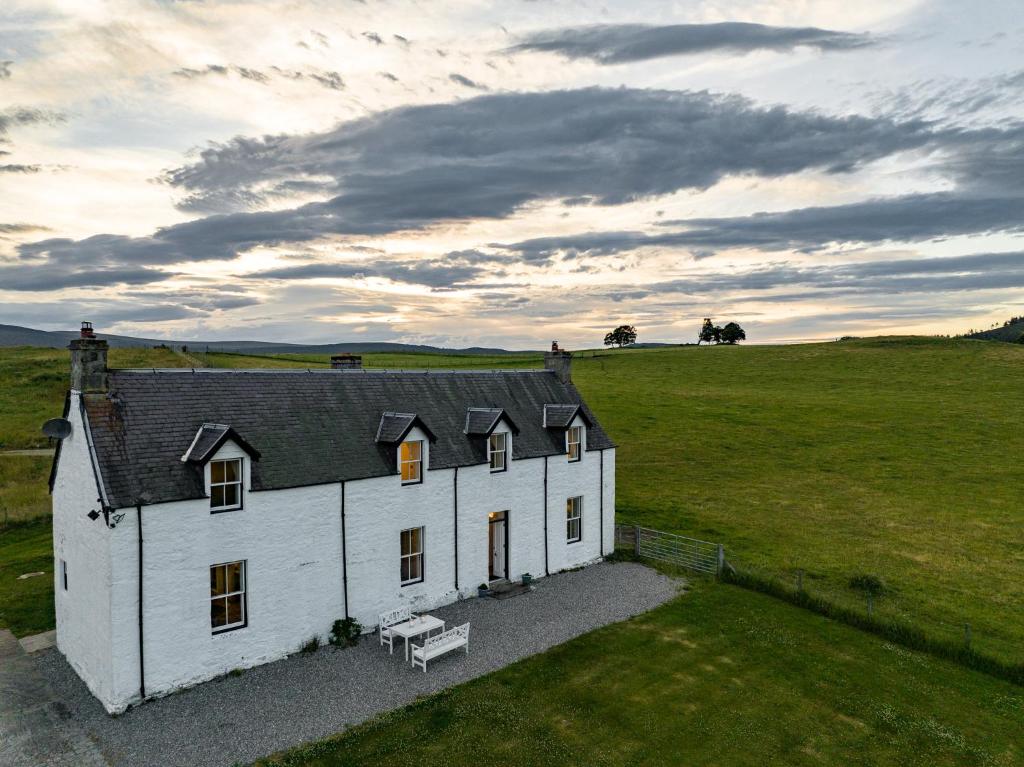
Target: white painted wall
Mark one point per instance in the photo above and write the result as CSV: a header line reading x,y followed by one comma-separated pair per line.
x,y
83,612
291,541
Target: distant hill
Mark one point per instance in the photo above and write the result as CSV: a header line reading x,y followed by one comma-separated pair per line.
x,y
15,335
1010,331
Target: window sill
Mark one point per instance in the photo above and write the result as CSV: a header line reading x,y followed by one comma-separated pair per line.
x,y
221,510
229,629
412,583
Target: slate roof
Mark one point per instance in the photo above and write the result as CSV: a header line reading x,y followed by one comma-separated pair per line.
x,y
480,421
559,416
309,427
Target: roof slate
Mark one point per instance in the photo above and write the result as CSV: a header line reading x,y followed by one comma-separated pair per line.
x,y
309,427
394,426
559,416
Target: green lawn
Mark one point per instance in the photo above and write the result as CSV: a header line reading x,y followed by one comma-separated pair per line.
x,y
719,676
895,457
26,606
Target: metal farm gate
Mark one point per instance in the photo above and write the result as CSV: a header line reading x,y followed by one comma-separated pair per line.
x,y
689,553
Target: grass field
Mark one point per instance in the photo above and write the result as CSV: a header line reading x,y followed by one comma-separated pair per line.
x,y
719,676
26,606
893,457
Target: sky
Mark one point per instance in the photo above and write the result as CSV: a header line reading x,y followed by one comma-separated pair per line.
x,y
510,173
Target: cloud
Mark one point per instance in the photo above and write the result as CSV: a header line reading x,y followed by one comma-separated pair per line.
x,y
222,71
15,168
621,43
330,80
373,37
409,168
54,276
5,69
463,80
19,228
983,271
434,274
19,116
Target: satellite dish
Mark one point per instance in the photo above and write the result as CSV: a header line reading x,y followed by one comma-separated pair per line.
x,y
57,428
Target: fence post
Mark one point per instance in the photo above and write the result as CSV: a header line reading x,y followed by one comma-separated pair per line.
x,y
720,564
636,540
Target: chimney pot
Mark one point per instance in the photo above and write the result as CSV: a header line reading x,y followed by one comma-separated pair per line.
x,y
346,361
88,362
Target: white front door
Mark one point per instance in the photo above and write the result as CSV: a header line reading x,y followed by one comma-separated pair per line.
x,y
498,541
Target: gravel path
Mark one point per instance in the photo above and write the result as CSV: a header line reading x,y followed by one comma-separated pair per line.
x,y
303,698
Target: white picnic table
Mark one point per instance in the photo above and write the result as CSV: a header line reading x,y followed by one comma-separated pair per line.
x,y
421,624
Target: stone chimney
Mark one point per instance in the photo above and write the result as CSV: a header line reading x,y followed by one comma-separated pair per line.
x,y
560,361
346,362
88,361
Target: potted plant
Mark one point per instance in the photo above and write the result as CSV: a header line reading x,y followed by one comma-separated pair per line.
x,y
527,579
482,590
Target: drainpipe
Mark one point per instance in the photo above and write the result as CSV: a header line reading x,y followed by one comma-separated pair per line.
x,y
546,516
455,504
142,653
344,551
602,502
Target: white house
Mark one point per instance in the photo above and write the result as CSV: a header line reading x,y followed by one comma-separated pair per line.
x,y
209,520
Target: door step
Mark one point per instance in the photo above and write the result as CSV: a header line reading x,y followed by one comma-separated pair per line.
x,y
508,590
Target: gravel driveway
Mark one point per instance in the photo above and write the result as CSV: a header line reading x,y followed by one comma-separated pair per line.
x,y
306,697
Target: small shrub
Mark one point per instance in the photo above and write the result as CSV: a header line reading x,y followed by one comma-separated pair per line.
x,y
346,633
868,584
622,555
311,646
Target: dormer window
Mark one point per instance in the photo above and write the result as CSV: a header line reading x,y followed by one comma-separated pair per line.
x,y
573,442
497,450
411,460
226,485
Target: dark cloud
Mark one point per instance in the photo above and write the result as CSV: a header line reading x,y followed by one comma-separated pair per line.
x,y
19,228
404,41
54,276
204,300
463,80
15,168
434,274
221,70
486,157
19,116
620,43
373,37
984,271
388,76
330,80
5,69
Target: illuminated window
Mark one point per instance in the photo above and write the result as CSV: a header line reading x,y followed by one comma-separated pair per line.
x,y
412,556
572,442
412,462
496,450
226,485
574,519
227,596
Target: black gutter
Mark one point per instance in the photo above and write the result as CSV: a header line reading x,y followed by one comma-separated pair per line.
x,y
602,502
546,516
142,652
455,504
344,551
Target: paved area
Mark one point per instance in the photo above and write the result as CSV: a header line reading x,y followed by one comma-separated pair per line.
x,y
36,729
307,697
38,642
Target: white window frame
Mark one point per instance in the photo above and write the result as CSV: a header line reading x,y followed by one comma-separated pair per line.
x,y
417,555
574,522
241,592
416,462
501,453
238,483
577,432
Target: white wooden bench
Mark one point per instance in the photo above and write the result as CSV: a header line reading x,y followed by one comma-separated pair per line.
x,y
392,618
449,640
